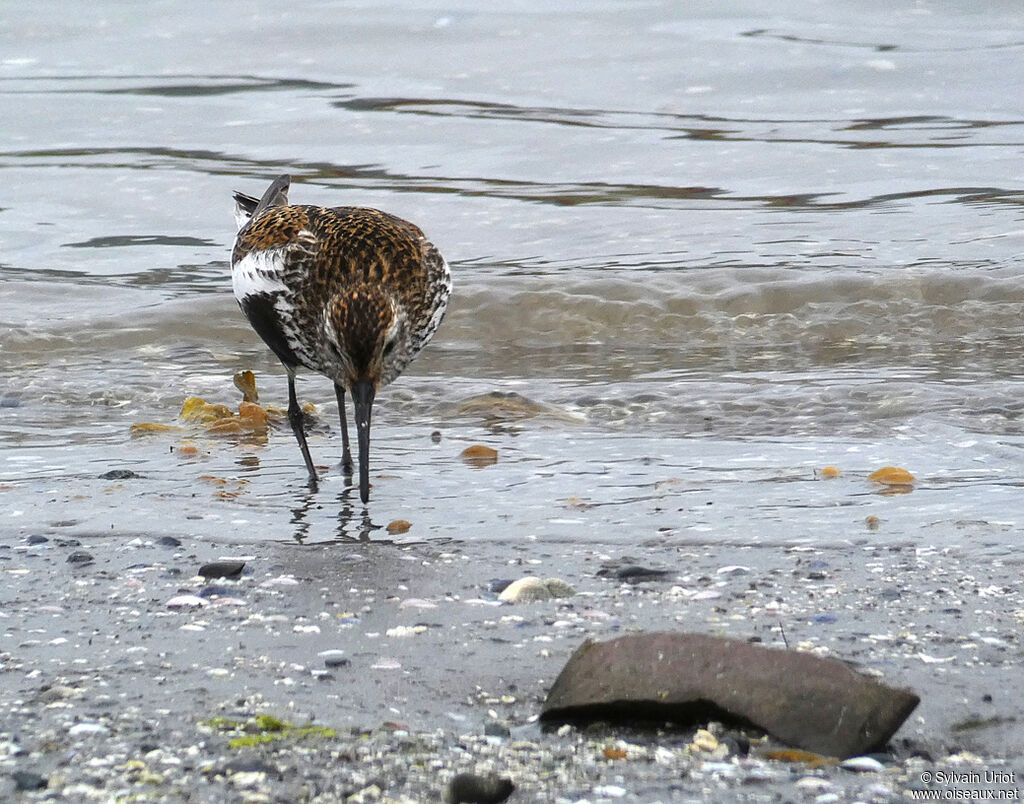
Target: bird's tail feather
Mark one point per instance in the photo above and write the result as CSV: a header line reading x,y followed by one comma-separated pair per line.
x,y
247,207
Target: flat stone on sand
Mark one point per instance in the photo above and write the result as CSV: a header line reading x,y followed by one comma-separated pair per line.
x,y
816,704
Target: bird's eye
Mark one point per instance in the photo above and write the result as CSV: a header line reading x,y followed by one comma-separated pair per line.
x,y
389,347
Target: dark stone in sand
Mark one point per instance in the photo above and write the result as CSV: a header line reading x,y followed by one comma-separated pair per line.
x,y
168,541
36,539
212,590
26,780
222,569
637,574
816,704
80,557
498,585
492,729
468,788
625,569
247,765
118,474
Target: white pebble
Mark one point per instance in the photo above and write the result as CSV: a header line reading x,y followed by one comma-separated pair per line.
x,y
187,602
417,603
280,580
862,765
813,784
82,729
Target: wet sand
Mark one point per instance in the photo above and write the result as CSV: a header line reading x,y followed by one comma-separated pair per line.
x,y
440,679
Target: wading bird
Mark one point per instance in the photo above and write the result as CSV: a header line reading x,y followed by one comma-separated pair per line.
x,y
349,292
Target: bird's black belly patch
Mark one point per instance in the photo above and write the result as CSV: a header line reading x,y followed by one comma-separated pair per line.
x,y
259,309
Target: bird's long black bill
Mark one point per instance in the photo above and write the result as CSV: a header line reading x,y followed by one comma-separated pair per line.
x,y
362,395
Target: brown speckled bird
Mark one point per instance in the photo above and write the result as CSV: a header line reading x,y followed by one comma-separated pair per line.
x,y
349,292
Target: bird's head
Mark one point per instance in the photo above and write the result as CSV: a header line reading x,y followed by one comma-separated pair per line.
x,y
367,337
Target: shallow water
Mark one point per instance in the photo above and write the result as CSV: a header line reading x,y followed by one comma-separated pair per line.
x,y
721,248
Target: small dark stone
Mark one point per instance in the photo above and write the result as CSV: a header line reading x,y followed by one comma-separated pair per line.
x,y
168,541
80,557
468,788
892,593
493,729
118,474
816,575
823,618
497,585
638,574
436,436
247,765
36,539
738,744
222,569
213,590
26,780
986,698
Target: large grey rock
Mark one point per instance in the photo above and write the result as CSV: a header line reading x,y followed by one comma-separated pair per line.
x,y
800,699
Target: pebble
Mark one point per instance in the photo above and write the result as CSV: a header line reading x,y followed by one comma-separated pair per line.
x,y
813,784
80,557
187,602
36,539
26,780
168,541
469,788
532,589
417,603
118,474
333,658
280,580
247,779
862,765
83,729
231,570
637,574
405,630
704,740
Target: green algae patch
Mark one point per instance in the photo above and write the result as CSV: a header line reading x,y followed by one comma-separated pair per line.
x,y
263,729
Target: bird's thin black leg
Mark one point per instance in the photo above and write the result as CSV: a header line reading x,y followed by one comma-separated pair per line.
x,y
346,453
295,418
